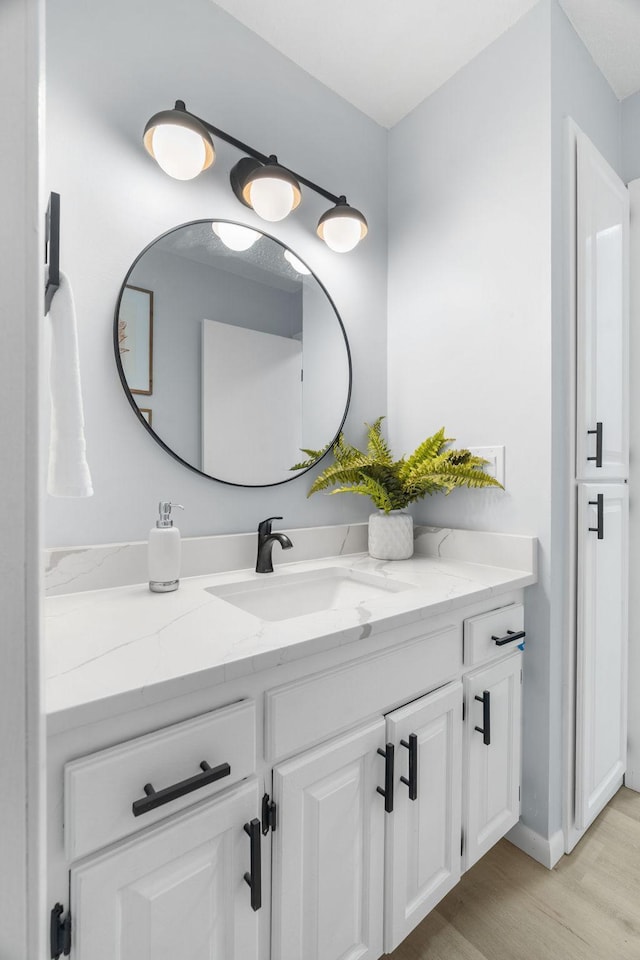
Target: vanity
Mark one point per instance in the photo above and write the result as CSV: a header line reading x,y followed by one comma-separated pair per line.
x,y
228,779
289,765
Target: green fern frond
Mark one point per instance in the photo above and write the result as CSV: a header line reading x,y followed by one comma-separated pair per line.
x,y
428,449
313,457
369,487
393,485
376,444
337,473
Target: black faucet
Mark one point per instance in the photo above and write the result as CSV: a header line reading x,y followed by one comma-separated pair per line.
x,y
266,540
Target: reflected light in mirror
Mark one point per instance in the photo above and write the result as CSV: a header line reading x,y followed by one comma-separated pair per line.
x,y
296,263
180,152
234,236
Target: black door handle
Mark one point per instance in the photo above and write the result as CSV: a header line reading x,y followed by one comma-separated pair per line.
x,y
254,876
485,729
156,798
389,761
412,782
599,503
509,638
598,433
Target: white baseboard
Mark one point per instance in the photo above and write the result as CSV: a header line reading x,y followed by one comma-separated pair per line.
x,y
545,851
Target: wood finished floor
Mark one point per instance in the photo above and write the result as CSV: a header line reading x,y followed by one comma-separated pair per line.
x,y
508,907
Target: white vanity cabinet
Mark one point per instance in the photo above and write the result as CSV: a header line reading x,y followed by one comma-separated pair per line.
x,y
602,336
175,891
423,832
328,850
602,647
354,770
362,825
491,767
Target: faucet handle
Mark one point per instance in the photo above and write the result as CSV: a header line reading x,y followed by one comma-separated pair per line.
x,y
264,527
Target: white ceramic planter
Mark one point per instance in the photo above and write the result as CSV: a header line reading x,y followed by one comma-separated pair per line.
x,y
391,535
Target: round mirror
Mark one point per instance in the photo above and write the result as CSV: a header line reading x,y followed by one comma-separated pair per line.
x,y
231,352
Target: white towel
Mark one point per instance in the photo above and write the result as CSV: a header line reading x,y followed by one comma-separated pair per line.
x,y
69,474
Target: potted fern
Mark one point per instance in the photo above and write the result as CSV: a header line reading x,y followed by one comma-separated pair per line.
x,y
393,484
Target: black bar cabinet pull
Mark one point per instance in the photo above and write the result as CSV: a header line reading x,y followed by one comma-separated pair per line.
x,y
387,793
254,876
599,503
412,782
509,638
485,729
156,798
598,433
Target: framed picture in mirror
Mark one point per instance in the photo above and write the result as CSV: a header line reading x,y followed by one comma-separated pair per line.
x,y
135,338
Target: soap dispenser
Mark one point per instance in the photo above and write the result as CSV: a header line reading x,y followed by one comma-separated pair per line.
x,y
164,551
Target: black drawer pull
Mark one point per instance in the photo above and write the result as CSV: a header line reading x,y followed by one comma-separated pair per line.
x,y
387,793
412,782
509,638
156,798
598,433
599,503
485,729
254,876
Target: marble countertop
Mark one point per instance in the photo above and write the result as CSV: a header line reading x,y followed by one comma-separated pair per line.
x,y
125,647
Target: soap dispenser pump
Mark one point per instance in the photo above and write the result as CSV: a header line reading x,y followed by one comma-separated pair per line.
x,y
164,551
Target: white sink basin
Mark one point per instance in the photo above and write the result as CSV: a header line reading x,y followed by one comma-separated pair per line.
x,y
299,594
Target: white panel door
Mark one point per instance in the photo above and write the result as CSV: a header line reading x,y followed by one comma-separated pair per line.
x,y
328,850
251,403
493,729
601,697
602,253
423,834
175,893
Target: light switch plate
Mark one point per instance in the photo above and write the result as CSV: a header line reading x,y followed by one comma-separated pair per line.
x,y
495,456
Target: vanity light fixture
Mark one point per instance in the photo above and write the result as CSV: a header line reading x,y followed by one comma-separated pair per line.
x,y
343,227
271,190
181,144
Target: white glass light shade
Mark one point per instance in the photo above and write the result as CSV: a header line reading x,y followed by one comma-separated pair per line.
x,y
342,234
271,198
296,263
180,152
234,236
343,227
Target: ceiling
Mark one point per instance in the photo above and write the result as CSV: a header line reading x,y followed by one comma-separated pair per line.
x,y
386,56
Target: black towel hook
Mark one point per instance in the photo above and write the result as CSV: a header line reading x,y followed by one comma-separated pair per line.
x,y
52,249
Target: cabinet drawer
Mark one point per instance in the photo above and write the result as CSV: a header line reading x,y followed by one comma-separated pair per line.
x,y
100,790
480,631
303,713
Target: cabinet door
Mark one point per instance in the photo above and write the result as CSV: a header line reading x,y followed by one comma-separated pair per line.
x,y
492,755
601,657
177,891
423,834
602,395
328,850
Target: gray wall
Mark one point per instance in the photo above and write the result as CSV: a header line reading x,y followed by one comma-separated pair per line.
x,y
470,311
109,68
631,138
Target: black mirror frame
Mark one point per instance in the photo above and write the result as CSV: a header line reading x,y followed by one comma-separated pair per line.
x,y
134,405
